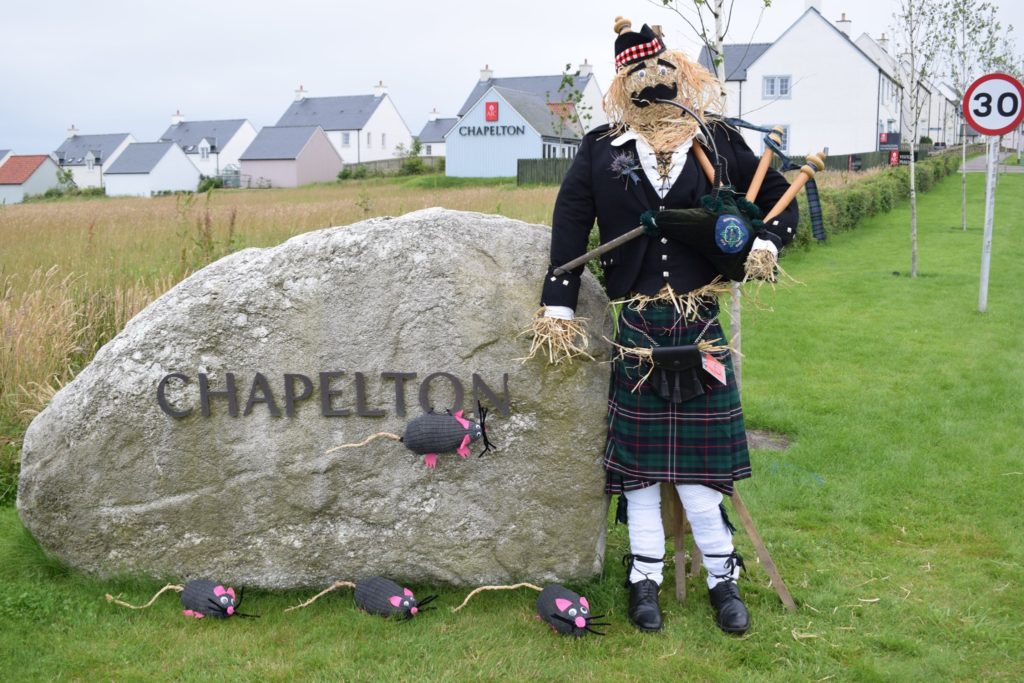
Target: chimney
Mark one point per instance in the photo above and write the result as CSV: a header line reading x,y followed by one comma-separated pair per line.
x,y
380,89
72,131
883,43
486,73
815,4
301,93
586,69
177,118
844,25
432,116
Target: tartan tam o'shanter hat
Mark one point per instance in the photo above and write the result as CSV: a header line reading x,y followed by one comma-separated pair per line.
x,y
631,46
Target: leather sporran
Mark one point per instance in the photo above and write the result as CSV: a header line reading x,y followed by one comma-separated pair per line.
x,y
677,372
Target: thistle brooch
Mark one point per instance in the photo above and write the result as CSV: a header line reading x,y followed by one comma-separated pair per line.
x,y
625,165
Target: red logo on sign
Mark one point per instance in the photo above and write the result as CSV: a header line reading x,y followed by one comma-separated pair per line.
x,y
491,111
894,158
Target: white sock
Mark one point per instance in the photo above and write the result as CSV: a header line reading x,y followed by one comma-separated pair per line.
x,y
710,533
646,532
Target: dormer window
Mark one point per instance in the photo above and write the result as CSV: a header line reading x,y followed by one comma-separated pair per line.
x,y
204,151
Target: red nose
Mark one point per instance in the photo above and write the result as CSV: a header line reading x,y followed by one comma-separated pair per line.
x,y
581,622
231,610
414,610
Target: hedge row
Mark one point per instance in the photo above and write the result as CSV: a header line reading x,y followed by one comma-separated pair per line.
x,y
844,207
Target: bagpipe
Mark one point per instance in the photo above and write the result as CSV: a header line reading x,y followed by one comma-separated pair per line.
x,y
722,229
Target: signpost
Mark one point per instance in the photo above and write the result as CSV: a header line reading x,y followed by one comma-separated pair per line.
x,y
993,105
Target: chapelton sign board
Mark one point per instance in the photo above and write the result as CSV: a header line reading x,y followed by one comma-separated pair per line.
x,y
336,393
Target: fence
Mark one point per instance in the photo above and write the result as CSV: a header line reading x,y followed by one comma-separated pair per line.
x,y
542,171
391,166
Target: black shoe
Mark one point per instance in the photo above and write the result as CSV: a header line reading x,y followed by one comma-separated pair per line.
x,y
730,612
644,611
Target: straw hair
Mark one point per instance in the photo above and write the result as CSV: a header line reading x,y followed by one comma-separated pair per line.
x,y
688,305
661,126
560,340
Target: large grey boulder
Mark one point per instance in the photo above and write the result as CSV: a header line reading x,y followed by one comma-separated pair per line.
x,y
112,482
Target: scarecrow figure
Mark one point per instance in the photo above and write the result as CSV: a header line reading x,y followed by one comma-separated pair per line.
x,y
674,411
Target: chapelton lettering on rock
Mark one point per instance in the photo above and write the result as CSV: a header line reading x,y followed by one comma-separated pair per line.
x,y
332,388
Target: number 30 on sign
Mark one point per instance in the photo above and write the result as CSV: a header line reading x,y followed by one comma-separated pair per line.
x,y
994,104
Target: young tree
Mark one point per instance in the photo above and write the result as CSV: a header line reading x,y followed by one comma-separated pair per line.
x,y
699,15
971,31
918,37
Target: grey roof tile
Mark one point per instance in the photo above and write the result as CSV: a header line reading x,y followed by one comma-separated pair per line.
x,y
738,57
534,108
140,157
188,134
348,112
547,86
434,131
278,142
73,150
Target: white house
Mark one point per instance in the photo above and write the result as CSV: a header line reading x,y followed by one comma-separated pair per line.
x,y
26,175
580,89
211,145
86,156
361,127
432,136
289,156
146,168
506,125
815,82
890,95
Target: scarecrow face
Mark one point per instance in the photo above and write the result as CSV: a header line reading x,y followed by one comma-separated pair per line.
x,y
651,80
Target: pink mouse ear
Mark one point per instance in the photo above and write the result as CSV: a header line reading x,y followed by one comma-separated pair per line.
x,y
219,591
583,601
407,592
231,592
562,604
395,600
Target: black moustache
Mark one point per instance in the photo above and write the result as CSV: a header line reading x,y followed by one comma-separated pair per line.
x,y
652,93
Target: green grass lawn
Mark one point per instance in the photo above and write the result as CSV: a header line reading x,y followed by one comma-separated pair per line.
x,y
894,516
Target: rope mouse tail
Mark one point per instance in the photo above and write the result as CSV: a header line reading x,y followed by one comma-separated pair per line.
x,y
334,586
495,588
372,437
168,587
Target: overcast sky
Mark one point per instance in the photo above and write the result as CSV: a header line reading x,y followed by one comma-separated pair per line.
x,y
125,66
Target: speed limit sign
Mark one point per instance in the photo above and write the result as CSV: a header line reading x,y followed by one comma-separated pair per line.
x,y
994,104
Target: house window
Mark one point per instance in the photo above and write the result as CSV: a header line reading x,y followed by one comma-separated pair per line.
x,y
204,152
383,141
345,140
89,162
426,150
369,141
776,87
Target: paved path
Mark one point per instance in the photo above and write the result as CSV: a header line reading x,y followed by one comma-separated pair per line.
x,y
1007,163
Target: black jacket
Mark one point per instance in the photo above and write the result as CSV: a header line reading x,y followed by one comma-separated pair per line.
x,y
592,189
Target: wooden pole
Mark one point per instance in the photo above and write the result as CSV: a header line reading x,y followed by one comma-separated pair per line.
x,y
764,164
762,551
815,162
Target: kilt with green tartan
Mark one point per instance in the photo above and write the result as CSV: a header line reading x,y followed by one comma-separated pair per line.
x,y
699,441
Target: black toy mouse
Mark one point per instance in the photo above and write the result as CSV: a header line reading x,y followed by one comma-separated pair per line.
x,y
432,433
200,598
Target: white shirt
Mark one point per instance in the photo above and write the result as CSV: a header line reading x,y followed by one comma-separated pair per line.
x,y
649,161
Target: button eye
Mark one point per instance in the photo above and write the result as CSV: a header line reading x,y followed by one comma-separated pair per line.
x,y
641,74
662,70
572,612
